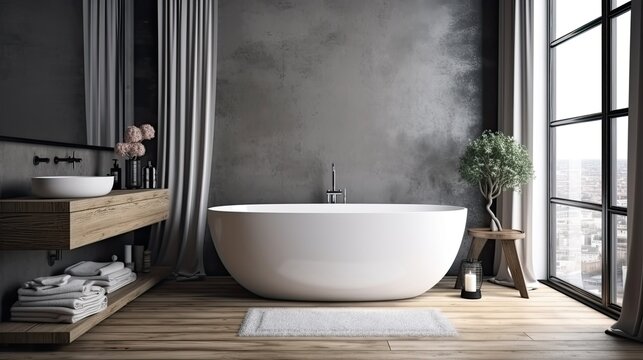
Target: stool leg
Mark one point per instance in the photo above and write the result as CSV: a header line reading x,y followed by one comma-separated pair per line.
x,y
476,247
509,248
474,253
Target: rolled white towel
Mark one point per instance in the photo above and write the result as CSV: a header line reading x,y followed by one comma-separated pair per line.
x,y
68,303
92,268
57,280
95,290
71,286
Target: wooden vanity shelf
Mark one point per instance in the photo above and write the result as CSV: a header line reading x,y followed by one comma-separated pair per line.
x,y
64,224
44,333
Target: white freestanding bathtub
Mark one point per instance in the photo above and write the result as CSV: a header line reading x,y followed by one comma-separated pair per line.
x,y
337,252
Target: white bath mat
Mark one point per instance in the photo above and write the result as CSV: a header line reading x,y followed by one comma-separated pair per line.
x,y
345,321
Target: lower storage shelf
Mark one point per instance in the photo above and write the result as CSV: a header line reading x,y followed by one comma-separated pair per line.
x,y
44,333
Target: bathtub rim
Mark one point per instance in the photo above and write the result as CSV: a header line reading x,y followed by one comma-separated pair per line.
x,y
323,208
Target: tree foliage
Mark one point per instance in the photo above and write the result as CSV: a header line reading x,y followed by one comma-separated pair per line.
x,y
495,162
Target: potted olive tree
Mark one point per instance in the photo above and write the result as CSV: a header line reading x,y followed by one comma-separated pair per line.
x,y
495,162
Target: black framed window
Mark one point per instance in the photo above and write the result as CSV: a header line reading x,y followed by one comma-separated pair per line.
x,y
588,79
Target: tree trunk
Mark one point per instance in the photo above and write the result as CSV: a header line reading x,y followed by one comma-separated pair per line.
x,y
493,216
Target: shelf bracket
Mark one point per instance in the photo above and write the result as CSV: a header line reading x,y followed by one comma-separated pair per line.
x,y
53,256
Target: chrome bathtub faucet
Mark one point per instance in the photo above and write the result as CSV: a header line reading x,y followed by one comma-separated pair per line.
x,y
333,193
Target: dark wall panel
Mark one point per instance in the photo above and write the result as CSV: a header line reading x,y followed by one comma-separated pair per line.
x,y
42,87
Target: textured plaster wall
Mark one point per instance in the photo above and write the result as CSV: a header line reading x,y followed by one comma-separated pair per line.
x,y
390,91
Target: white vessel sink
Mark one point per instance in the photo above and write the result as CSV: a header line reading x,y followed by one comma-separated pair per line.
x,y
71,186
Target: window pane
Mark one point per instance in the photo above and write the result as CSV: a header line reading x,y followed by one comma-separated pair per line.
x,y
620,61
579,247
619,241
578,161
572,14
617,3
619,161
577,75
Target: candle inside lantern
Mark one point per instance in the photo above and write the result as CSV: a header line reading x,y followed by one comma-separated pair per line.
x,y
470,282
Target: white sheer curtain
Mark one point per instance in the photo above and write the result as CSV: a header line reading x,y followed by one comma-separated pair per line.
x,y
630,323
108,54
187,84
515,109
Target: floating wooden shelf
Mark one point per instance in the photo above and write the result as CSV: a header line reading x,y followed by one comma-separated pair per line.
x,y
43,333
65,224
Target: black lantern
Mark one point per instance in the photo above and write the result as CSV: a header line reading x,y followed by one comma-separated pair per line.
x,y
471,278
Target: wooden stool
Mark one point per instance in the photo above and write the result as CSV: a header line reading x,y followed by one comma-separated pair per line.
x,y
508,241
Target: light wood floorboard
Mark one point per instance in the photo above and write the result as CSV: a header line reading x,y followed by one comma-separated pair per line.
x,y
200,320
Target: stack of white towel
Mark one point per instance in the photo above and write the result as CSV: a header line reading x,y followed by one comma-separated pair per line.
x,y
58,299
67,298
110,275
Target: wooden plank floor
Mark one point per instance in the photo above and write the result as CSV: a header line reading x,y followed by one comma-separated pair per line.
x,y
199,320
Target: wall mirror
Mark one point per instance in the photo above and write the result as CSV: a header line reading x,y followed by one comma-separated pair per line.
x,y
66,71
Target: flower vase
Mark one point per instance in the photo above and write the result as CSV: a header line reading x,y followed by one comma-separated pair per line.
x,y
133,174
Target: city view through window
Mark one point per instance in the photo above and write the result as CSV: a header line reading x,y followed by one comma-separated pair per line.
x,y
582,225
579,231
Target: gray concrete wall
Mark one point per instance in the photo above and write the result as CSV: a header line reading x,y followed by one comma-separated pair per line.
x,y
390,91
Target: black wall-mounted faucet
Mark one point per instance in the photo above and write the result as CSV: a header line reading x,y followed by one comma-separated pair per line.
x,y
69,159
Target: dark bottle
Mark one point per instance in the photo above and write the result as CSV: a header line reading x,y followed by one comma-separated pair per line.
x,y
149,176
115,171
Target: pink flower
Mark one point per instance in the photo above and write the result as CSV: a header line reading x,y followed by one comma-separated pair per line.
x,y
122,149
147,131
137,150
132,147
133,134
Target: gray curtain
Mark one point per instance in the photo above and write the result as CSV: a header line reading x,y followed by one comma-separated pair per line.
x,y
187,31
630,324
515,110
108,54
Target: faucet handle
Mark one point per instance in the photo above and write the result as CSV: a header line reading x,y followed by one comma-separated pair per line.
x,y
37,160
345,196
